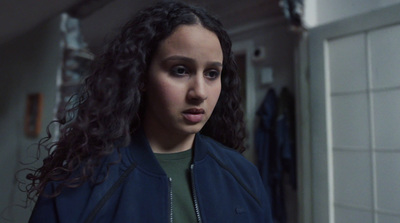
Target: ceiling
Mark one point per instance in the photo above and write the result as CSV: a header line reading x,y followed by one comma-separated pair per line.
x,y
102,18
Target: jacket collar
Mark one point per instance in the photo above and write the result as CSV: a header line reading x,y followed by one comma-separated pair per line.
x,y
143,156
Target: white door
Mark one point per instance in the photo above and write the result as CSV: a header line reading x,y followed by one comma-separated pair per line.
x,y
355,119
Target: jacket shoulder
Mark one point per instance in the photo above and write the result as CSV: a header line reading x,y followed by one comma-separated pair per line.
x,y
239,168
223,152
229,158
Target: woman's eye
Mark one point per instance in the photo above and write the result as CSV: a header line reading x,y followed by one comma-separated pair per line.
x,y
212,74
179,71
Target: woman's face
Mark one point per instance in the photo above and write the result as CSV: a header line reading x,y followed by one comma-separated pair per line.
x,y
184,81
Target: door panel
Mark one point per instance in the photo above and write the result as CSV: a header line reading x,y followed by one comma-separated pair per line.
x,y
347,56
384,46
387,121
352,180
387,178
355,118
349,112
343,214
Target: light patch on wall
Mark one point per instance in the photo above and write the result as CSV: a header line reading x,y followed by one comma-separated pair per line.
x,y
267,75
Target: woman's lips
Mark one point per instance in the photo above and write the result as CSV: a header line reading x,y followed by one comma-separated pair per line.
x,y
194,115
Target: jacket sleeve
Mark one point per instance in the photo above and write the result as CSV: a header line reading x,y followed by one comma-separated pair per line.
x,y
45,208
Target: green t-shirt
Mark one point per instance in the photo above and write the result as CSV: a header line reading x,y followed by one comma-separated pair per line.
x,y
177,167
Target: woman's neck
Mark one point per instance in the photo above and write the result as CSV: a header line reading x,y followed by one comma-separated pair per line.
x,y
167,141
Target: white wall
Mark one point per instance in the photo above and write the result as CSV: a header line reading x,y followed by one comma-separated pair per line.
x,y
318,12
28,64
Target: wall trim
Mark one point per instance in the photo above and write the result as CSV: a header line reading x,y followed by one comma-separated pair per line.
x,y
270,22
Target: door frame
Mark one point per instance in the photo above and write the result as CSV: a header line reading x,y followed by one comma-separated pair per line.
x,y
303,134
246,47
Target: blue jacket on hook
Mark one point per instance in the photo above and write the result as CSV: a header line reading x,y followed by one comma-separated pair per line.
x,y
226,188
265,141
275,148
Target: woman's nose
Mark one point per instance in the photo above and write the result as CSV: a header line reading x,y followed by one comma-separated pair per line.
x,y
197,88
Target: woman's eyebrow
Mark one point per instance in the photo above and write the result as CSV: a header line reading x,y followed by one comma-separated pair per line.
x,y
189,60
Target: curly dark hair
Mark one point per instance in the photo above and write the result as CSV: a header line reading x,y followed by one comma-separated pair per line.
x,y
110,104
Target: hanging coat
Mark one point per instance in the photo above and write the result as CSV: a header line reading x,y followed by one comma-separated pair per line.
x,y
285,132
275,148
265,140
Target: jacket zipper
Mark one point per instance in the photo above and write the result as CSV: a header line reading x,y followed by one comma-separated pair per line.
x,y
196,205
171,218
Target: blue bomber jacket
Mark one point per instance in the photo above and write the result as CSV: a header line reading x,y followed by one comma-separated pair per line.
x,y
226,188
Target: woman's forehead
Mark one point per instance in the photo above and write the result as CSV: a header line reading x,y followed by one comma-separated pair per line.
x,y
191,41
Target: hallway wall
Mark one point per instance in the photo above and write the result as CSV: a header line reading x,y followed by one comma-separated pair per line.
x,y
278,42
28,64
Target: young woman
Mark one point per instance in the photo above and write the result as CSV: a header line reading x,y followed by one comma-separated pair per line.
x,y
153,130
